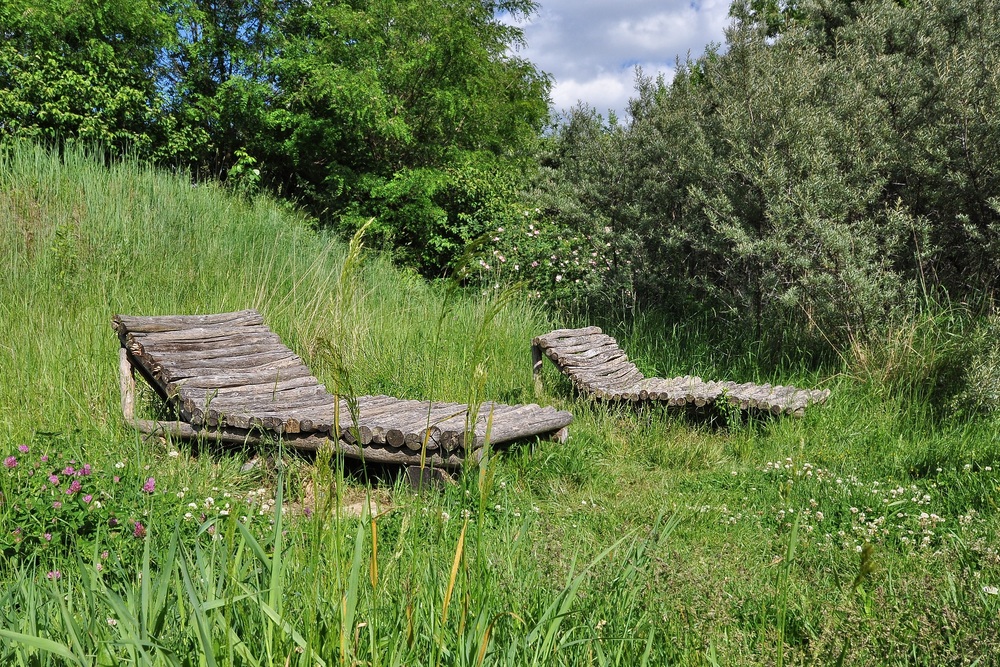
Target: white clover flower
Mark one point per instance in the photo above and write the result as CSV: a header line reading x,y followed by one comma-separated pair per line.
x,y
188,516
173,453
120,465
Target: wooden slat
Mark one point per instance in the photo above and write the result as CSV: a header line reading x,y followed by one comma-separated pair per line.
x,y
597,366
147,324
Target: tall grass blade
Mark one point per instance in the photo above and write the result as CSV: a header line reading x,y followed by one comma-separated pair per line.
x,y
454,573
42,644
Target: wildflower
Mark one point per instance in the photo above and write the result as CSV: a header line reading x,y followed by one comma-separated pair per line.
x,y
48,537
150,485
139,530
99,567
180,494
87,498
112,621
54,480
85,470
116,479
23,449
68,470
73,487
173,453
112,522
188,516
45,458
308,512
120,465
104,555
54,574
56,505
991,590
10,462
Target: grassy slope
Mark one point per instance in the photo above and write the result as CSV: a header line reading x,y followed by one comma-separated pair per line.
x,y
724,556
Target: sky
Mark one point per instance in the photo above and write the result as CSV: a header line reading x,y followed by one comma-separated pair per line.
x,y
591,47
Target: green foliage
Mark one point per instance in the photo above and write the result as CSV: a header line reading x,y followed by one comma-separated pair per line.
x,y
411,112
82,70
834,164
415,112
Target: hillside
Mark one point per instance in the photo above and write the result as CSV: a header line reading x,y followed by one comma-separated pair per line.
x,y
864,532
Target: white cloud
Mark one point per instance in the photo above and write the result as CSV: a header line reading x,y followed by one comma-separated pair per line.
x,y
591,47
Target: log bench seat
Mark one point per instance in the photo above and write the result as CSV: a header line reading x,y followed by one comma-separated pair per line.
x,y
598,367
228,377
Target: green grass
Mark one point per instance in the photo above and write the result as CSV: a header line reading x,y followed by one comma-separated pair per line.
x,y
648,538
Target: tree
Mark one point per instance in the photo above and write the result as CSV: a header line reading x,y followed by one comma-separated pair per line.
x,y
84,69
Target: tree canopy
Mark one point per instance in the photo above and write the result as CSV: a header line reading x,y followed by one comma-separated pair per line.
x,y
416,112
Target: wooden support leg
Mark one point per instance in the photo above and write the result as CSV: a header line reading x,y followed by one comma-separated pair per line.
x,y
536,368
422,479
127,385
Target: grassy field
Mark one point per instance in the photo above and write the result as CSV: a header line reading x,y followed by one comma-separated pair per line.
x,y
864,533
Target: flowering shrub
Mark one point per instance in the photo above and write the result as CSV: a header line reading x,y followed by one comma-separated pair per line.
x,y
555,263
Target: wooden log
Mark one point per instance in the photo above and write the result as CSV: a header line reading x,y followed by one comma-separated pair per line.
x,y
576,344
212,354
541,423
229,342
560,334
126,384
581,358
151,324
600,344
199,334
182,362
258,379
302,442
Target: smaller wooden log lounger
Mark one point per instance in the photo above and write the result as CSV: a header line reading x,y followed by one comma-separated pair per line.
x,y
598,367
228,377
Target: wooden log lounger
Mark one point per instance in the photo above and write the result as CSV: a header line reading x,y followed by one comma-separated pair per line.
x,y
229,378
598,367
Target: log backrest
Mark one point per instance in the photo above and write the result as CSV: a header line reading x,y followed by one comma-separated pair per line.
x,y
591,358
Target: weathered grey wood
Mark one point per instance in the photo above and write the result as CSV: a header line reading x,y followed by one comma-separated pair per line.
x,y
181,364
559,334
127,385
234,380
252,389
597,366
594,358
150,324
227,342
214,354
510,430
198,334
